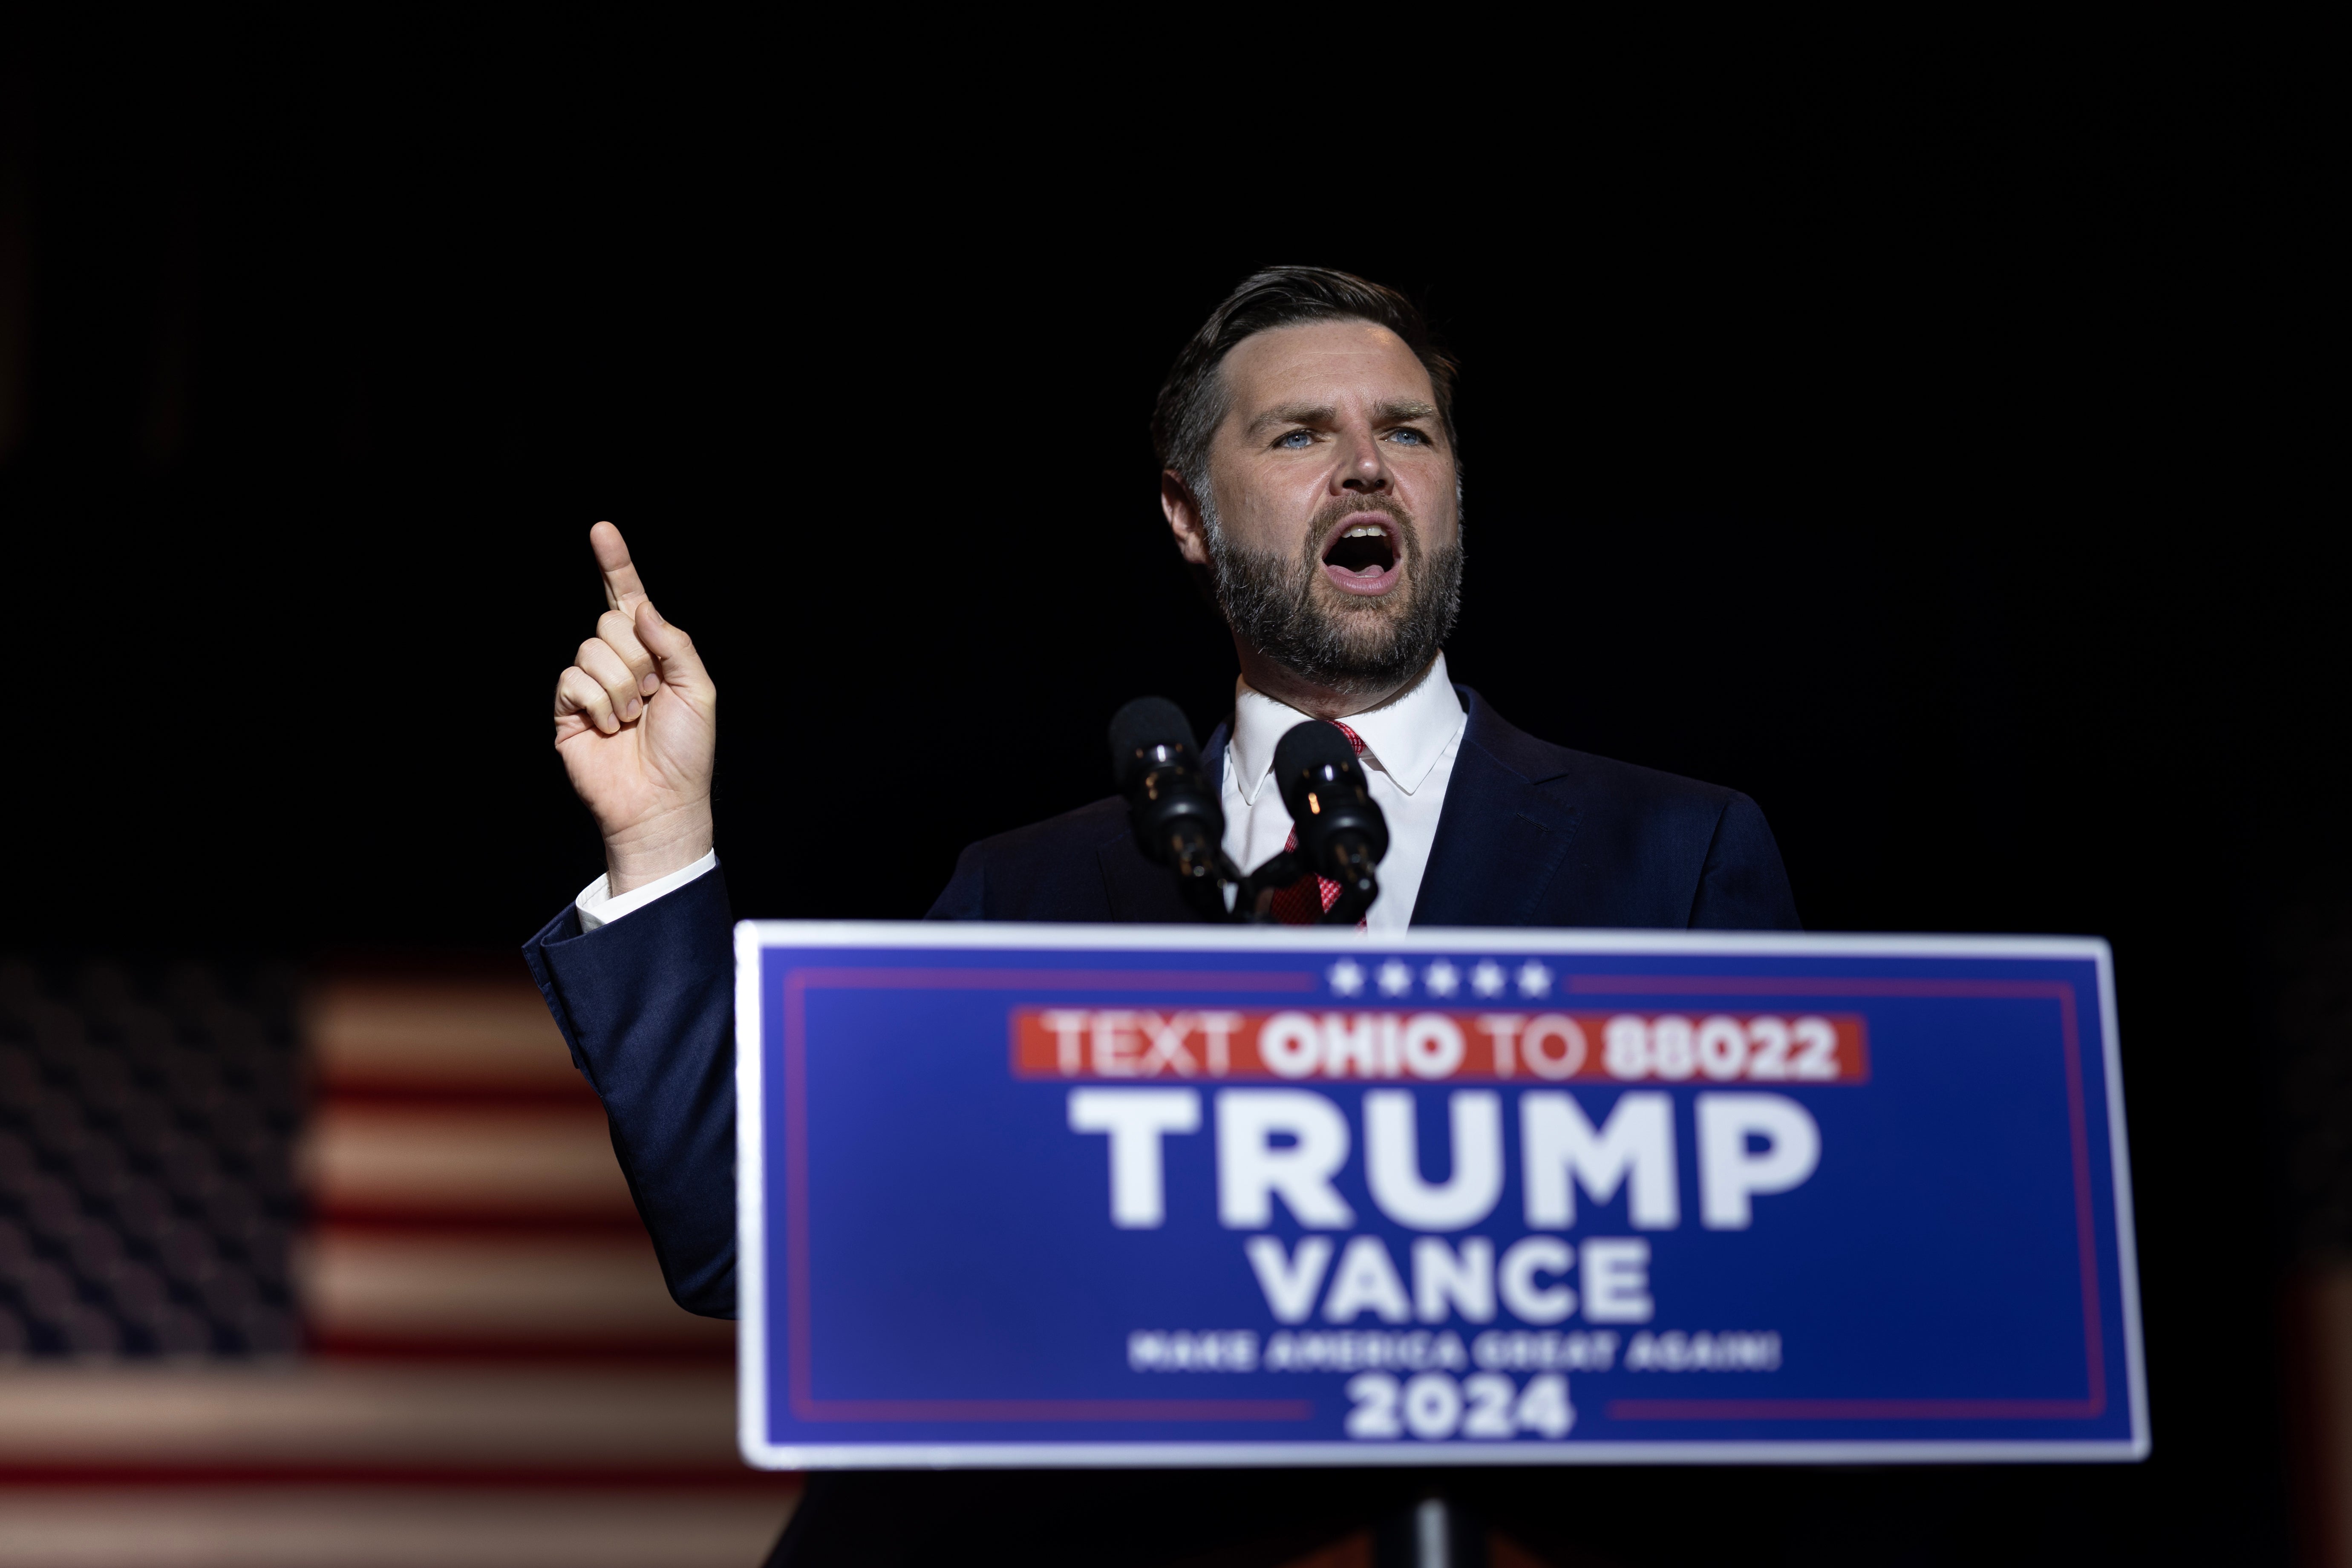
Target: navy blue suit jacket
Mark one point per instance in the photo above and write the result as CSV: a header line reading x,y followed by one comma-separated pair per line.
x,y
1531,834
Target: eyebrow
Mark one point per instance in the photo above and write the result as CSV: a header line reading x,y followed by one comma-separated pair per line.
x,y
1294,414
1391,413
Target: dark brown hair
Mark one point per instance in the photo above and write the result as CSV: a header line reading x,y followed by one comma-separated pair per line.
x,y
1193,399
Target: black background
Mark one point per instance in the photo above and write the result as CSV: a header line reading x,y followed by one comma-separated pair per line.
x,y
1965,513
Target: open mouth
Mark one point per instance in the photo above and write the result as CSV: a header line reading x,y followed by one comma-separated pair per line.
x,y
1361,556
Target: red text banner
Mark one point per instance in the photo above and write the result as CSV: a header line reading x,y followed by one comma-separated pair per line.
x,y
1432,1046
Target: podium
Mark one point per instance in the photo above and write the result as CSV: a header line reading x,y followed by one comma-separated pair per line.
x,y
1082,1195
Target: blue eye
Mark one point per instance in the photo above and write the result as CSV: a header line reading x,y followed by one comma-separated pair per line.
x,y
1298,440
1411,438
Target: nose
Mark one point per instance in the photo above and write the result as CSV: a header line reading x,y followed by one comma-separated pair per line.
x,y
1365,470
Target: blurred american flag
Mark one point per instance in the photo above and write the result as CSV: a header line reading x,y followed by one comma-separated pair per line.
x,y
337,1272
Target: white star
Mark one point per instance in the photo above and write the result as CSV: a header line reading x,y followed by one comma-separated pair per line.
x,y
1347,977
1535,980
1442,978
1487,978
1396,980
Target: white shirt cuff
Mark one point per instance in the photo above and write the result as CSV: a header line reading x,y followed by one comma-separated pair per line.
x,y
598,907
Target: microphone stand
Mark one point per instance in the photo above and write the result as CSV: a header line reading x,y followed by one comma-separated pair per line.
x,y
1254,894
1203,871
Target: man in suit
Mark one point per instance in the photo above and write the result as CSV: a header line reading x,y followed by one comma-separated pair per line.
x,y
1307,443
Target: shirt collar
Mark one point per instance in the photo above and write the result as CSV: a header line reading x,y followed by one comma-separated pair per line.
x,y
1402,738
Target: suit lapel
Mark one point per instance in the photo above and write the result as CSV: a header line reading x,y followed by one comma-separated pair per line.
x,y
1499,839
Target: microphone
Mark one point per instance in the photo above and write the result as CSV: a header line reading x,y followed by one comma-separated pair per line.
x,y
1342,833
1172,807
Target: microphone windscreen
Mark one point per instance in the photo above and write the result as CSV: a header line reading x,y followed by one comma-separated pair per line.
x,y
1312,744
1145,722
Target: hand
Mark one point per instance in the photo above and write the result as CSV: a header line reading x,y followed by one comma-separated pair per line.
x,y
636,721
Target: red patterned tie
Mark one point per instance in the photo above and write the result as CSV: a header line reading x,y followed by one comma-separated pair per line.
x,y
1308,899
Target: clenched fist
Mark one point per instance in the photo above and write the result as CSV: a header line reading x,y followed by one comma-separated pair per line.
x,y
636,720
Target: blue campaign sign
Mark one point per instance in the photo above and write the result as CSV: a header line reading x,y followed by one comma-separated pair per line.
x,y
1137,1195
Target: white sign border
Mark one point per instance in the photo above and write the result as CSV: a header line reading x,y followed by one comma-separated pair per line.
x,y
751,937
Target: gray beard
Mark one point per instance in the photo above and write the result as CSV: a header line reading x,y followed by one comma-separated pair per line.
x,y
1359,648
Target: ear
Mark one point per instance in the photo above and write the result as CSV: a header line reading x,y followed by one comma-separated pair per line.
x,y
1183,518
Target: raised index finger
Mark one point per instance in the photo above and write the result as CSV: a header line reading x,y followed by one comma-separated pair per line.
x,y
622,589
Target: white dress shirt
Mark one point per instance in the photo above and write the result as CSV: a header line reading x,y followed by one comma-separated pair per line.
x,y
598,907
1410,743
